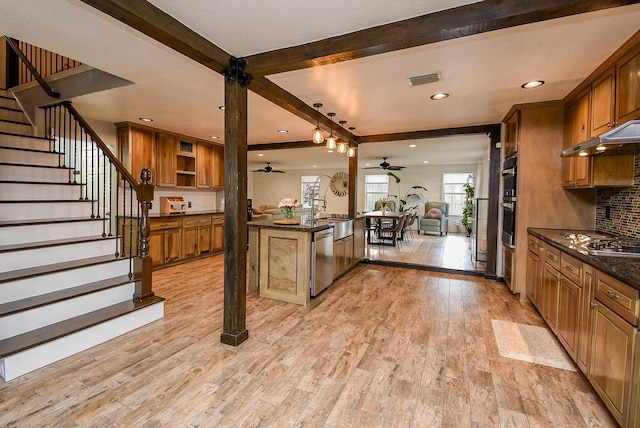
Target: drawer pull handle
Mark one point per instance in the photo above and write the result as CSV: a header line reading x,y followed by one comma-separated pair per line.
x,y
570,268
593,304
612,295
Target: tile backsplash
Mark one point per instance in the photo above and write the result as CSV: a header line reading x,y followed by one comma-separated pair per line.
x,y
623,206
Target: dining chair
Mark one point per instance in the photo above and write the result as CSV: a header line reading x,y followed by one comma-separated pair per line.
x,y
394,232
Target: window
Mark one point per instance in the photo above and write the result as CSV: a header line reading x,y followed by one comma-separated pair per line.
x,y
376,187
306,187
454,193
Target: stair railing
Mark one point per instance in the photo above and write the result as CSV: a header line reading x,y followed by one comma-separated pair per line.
x,y
31,68
119,200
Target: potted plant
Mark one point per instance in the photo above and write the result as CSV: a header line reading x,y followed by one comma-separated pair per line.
x,y
414,192
467,209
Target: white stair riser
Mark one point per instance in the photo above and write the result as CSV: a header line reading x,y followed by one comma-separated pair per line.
x,y
39,192
44,210
34,174
24,321
15,260
46,232
25,142
56,281
13,115
25,157
24,362
16,128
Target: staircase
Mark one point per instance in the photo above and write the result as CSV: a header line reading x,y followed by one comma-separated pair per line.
x,y
63,288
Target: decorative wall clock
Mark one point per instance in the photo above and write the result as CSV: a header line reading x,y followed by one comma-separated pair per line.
x,y
340,183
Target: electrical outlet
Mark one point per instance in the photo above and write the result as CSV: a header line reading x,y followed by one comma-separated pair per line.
x,y
189,204
150,205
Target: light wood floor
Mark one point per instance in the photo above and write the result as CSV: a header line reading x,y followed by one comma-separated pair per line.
x,y
382,347
451,251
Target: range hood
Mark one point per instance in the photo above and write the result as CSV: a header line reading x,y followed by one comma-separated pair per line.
x,y
622,139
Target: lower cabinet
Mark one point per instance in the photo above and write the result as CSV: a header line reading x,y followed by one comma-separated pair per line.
x,y
550,291
217,237
343,256
612,355
196,236
568,316
586,319
534,271
359,239
164,245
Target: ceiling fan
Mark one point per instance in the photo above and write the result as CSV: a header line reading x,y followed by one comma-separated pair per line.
x,y
268,168
386,166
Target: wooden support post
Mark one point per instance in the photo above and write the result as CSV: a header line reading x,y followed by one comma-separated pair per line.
x,y
142,272
234,330
353,189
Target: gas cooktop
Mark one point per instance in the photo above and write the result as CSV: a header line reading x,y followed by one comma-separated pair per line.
x,y
603,245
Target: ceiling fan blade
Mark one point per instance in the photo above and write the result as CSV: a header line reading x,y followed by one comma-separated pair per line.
x,y
277,170
394,168
371,167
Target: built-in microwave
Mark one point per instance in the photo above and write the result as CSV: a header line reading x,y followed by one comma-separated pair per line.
x,y
509,179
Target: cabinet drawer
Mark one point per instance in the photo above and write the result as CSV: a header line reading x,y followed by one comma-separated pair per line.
x,y
199,220
617,296
534,244
217,219
552,257
571,268
165,223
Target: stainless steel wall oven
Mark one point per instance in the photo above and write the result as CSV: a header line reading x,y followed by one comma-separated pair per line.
x,y
509,181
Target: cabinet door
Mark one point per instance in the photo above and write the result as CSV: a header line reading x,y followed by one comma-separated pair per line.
x,y
190,242
358,239
584,339
137,150
550,290
628,87
204,239
512,135
156,247
218,167
172,244
348,252
602,104
568,317
612,361
338,258
217,243
204,171
576,170
533,277
166,148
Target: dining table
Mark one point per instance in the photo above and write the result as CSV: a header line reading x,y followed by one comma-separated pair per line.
x,y
379,217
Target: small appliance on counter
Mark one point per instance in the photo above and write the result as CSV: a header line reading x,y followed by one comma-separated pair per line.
x,y
172,205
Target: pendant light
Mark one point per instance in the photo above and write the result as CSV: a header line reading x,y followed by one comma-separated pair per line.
x,y
331,141
351,151
317,135
342,145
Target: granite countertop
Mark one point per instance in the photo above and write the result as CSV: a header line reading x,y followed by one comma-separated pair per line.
x,y
626,269
302,227
188,213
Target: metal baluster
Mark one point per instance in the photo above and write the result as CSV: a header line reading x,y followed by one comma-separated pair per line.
x,y
75,154
112,217
92,175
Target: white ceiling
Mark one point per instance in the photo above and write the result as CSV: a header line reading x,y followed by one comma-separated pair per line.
x,y
483,73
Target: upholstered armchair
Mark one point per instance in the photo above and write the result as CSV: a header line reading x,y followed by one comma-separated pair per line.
x,y
391,205
435,218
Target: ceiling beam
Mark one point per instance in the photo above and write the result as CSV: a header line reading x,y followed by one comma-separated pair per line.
x,y
468,20
431,133
148,19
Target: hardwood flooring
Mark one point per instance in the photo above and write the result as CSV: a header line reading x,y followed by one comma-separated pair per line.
x,y
382,347
451,251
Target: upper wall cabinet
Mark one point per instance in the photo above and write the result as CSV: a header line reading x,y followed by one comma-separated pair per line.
x,y
174,160
512,134
603,103
628,86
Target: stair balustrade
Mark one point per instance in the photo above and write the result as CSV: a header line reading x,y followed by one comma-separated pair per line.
x,y
106,181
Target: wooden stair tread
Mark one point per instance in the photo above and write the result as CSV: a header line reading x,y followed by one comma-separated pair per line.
x,y
24,149
47,221
35,137
37,201
51,332
27,165
15,122
52,243
55,267
10,108
40,183
58,296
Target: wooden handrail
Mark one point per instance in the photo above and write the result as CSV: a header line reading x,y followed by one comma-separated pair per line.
x,y
32,69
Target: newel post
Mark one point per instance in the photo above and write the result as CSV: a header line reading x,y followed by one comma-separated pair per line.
x,y
143,264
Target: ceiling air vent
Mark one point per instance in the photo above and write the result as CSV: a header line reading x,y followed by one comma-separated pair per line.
x,y
425,78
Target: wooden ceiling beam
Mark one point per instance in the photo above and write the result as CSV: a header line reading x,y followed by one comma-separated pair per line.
x,y
148,19
468,20
430,133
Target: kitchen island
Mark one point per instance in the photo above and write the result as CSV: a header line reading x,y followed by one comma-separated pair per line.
x,y
293,262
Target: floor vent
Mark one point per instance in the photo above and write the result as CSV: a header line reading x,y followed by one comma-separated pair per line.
x,y
425,78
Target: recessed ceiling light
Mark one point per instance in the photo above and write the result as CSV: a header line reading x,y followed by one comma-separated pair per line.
x,y
367,164
532,84
221,108
214,137
329,151
282,131
260,155
315,166
146,119
412,145
439,96
425,161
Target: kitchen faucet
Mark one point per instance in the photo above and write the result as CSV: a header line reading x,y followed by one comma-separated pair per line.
x,y
313,197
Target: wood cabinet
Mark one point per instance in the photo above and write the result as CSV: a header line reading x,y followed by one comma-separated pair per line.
x,y
569,298
612,354
217,240
204,159
634,419
339,264
218,167
508,264
359,239
166,147
628,86
196,236
186,164
603,92
550,292
512,135
137,150
534,270
584,340
576,170
349,260
165,240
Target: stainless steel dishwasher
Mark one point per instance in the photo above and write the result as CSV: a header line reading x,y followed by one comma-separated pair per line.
x,y
321,260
